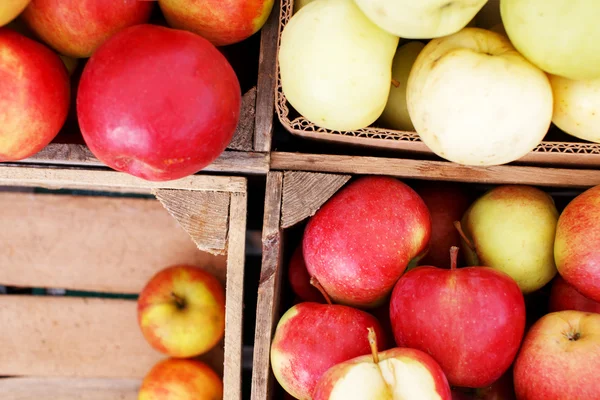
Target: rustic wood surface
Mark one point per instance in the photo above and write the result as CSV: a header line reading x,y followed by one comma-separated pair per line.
x,y
203,215
305,192
243,139
69,389
267,309
436,170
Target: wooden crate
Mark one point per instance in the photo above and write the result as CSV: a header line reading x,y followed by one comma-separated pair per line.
x,y
299,185
557,148
101,240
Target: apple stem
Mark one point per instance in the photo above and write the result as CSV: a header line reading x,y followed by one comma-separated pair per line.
x,y
373,343
453,257
179,301
315,283
395,83
458,227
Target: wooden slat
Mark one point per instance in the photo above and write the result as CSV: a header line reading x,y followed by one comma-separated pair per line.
x,y
91,243
95,179
244,134
267,308
203,215
265,101
305,192
232,379
69,389
46,336
435,170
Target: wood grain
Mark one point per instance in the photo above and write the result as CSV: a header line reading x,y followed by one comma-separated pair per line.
x,y
69,389
305,192
267,308
436,170
232,378
265,100
244,133
203,215
91,243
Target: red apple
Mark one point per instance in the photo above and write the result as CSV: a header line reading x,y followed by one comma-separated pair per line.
x,y
446,202
34,96
363,238
395,374
300,280
577,257
76,28
158,103
221,22
181,379
560,358
310,338
181,311
564,297
470,320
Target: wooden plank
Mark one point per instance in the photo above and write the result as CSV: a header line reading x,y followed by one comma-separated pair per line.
x,y
69,389
95,179
47,336
436,170
244,133
234,300
267,74
267,308
91,243
305,192
203,215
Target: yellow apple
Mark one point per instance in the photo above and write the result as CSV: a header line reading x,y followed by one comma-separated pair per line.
x,y
577,107
10,9
181,311
474,100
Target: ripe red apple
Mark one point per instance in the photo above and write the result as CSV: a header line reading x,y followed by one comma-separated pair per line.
x,y
181,311
310,338
181,379
395,374
363,238
565,297
577,258
560,358
300,280
34,96
158,103
446,202
221,22
470,320
76,28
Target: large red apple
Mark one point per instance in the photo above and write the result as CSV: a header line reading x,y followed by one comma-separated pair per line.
x,y
34,96
300,280
310,338
158,103
470,320
363,238
76,28
564,297
222,22
395,374
447,202
575,251
560,358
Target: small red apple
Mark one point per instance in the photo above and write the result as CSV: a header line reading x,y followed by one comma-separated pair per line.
x,y
158,103
76,28
560,358
300,280
34,96
470,320
363,238
565,297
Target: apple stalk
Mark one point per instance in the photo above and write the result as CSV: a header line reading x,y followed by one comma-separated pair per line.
x,y
462,234
373,343
315,282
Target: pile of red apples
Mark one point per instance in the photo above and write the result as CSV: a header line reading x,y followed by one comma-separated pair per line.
x,y
428,290
144,81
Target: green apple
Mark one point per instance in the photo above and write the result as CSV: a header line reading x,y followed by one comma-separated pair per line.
x,y
562,37
423,19
336,65
511,228
577,107
474,100
395,115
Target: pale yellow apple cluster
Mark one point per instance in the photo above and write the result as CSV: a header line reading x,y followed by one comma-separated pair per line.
x,y
479,81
